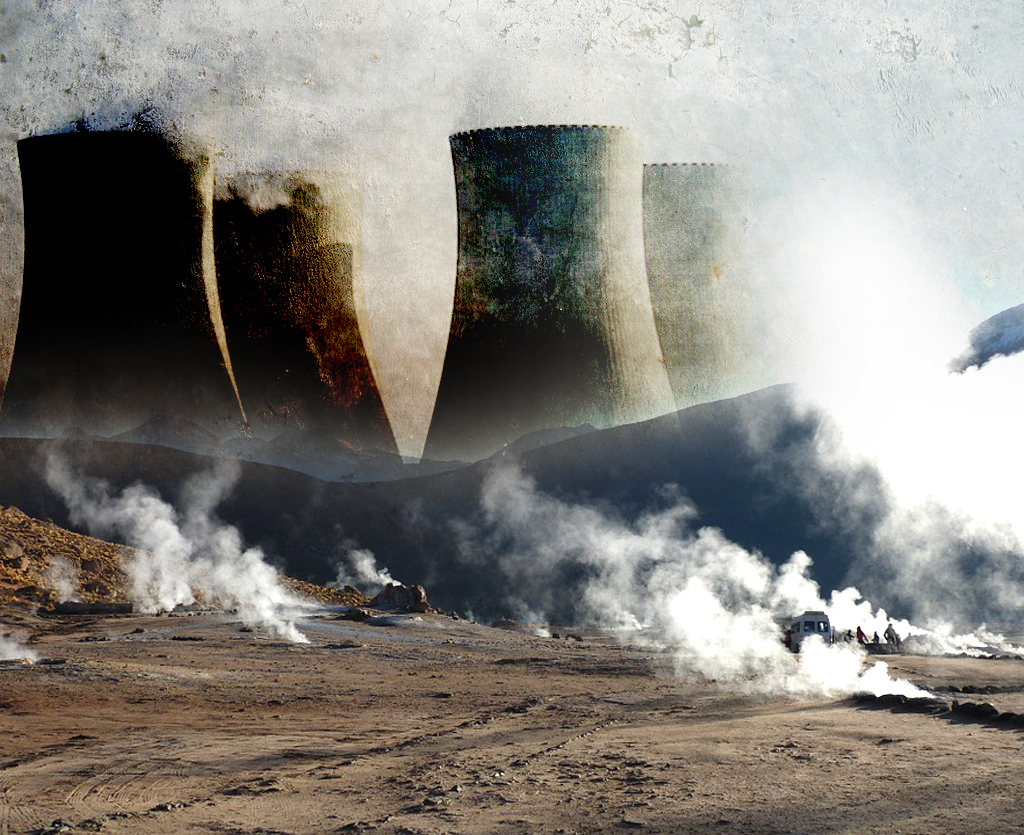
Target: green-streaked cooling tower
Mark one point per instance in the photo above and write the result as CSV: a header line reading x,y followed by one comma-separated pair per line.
x,y
552,323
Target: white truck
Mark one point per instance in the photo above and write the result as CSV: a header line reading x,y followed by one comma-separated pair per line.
x,y
807,624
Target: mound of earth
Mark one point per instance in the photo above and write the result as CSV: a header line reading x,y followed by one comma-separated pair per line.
x,y
38,557
29,549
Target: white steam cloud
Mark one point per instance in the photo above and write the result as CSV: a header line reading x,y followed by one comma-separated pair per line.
x,y
62,576
873,314
359,569
12,650
937,521
715,605
182,551
848,610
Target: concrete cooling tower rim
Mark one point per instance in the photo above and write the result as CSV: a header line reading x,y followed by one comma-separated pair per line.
x,y
512,128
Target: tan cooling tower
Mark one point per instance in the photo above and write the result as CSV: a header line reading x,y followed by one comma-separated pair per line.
x,y
694,217
552,324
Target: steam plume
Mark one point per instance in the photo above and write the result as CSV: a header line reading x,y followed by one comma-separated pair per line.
x,y
715,605
182,552
926,490
62,576
360,570
880,317
11,650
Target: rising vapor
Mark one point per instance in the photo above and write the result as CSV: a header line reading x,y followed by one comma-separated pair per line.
x,y
359,569
714,605
182,552
62,577
13,650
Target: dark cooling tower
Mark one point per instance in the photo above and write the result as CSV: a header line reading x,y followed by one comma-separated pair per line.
x,y
286,248
118,319
694,217
552,324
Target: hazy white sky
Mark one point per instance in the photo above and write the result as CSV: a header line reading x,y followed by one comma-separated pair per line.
x,y
881,139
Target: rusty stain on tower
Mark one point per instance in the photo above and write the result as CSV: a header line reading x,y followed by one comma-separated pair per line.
x,y
552,322
287,249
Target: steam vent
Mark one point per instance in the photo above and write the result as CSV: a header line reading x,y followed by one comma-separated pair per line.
x,y
118,319
287,250
693,234
552,324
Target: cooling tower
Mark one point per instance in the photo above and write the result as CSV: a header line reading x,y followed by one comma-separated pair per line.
x,y
119,317
694,217
287,251
552,323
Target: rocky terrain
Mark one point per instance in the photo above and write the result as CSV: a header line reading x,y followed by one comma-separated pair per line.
x,y
27,550
36,557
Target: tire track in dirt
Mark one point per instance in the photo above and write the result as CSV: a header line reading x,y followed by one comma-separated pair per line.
x,y
131,783
87,784
32,789
11,815
20,790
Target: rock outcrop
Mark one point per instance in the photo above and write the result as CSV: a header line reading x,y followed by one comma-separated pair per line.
x,y
397,596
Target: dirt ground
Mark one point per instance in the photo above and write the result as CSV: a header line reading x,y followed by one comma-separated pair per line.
x,y
422,724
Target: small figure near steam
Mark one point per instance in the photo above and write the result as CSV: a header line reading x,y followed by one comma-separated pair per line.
x,y
892,639
862,639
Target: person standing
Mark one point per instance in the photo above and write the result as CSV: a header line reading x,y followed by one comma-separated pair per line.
x,y
892,638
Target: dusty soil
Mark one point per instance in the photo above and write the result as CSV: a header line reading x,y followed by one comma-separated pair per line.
x,y
423,724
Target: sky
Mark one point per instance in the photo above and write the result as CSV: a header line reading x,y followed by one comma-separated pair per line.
x,y
880,141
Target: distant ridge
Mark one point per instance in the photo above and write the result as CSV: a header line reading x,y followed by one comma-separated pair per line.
x,y
753,492
312,452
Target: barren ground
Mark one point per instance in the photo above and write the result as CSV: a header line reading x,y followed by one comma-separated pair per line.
x,y
421,724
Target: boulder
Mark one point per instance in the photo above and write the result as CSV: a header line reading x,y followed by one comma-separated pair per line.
x,y
977,710
928,704
397,596
30,592
12,553
353,613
